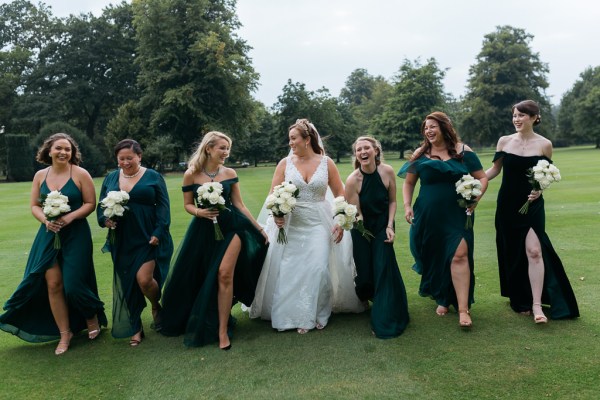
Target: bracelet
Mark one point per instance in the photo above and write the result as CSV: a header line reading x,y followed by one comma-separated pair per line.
x,y
196,212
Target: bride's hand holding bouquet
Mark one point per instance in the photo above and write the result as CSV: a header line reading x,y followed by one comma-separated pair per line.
x,y
282,202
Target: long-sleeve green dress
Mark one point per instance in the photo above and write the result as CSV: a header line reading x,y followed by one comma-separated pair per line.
x,y
149,215
377,275
190,296
439,224
511,230
28,313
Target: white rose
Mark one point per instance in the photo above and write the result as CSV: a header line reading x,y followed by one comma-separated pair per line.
x,y
119,210
543,163
285,208
213,198
350,210
291,202
291,188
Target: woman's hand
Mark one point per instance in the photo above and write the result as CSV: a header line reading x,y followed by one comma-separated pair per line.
x,y
279,221
53,226
264,234
208,213
389,232
338,233
109,223
153,241
409,215
472,207
534,195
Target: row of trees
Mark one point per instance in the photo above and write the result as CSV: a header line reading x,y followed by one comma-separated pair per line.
x,y
165,71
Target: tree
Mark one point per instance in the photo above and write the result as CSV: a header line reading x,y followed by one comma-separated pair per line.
x,y
364,96
256,142
506,72
323,110
576,107
418,90
86,72
195,74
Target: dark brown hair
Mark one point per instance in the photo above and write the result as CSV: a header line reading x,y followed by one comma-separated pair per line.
x,y
308,130
43,154
530,108
128,144
449,134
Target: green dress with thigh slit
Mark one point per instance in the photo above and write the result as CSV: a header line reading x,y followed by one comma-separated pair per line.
x,y
439,224
28,313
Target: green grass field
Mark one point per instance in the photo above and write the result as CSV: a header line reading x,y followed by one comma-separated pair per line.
x,y
504,356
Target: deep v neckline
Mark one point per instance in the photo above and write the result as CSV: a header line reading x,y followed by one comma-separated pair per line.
x,y
312,175
134,185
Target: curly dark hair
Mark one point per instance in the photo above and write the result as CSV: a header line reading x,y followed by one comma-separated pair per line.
x,y
449,134
43,154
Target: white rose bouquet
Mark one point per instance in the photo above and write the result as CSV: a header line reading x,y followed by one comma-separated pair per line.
x,y
210,196
469,188
55,204
114,205
282,202
346,216
541,176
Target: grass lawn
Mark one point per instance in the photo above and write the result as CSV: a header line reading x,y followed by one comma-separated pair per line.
x,y
504,356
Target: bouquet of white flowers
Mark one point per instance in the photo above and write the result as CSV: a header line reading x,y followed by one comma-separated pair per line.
x,y
346,216
282,202
541,176
55,204
469,188
114,205
210,196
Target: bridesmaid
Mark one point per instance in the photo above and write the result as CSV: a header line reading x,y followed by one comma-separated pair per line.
x,y
372,188
440,243
531,273
58,294
209,275
142,247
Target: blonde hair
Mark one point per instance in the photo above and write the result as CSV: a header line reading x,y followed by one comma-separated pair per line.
x,y
199,158
376,145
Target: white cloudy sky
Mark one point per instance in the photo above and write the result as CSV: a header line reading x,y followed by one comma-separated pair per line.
x,y
320,42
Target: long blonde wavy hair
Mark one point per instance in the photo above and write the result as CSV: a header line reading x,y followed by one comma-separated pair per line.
x,y
200,156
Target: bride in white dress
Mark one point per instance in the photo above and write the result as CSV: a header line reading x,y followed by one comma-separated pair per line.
x,y
303,281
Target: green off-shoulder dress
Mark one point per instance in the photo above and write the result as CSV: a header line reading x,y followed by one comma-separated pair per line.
x,y
149,214
512,228
190,297
377,275
28,313
439,224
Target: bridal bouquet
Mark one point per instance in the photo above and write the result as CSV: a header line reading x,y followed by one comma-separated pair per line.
x,y
282,202
210,196
114,205
55,204
469,188
541,176
346,216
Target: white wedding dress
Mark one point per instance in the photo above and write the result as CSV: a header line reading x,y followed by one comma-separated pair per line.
x,y
303,281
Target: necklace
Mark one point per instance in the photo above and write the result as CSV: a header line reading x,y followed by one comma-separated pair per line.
x,y
211,175
132,176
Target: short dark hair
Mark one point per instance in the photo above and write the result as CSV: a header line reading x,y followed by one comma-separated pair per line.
x,y
530,108
128,144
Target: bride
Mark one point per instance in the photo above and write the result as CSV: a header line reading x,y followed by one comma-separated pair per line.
x,y
303,281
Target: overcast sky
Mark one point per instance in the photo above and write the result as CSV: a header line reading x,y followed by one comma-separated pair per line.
x,y
320,42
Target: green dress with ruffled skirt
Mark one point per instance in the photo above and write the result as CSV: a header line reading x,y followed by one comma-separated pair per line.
x,y
28,314
439,224
377,275
511,230
148,215
190,297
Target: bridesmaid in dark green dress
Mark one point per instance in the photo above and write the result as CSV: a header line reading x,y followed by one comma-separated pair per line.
x,y
58,294
142,246
439,241
208,276
531,273
372,188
